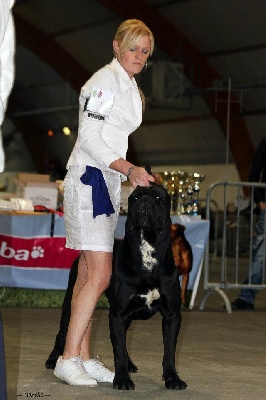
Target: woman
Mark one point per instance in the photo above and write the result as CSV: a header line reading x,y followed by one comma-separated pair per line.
x,y
110,109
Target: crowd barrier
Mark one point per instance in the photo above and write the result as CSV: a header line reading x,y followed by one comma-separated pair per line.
x,y
234,242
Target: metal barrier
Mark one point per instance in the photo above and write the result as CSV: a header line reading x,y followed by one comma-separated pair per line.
x,y
237,223
213,209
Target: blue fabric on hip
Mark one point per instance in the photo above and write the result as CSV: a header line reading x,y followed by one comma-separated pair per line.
x,y
100,197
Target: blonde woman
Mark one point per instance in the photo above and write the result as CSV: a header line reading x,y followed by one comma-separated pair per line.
x,y
110,110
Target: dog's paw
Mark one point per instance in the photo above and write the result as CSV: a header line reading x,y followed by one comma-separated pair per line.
x,y
123,384
131,366
175,383
50,363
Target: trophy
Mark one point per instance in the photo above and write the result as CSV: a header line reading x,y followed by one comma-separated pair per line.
x,y
172,190
193,187
163,178
183,187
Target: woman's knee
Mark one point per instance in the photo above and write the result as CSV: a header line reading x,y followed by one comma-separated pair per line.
x,y
103,283
107,283
99,269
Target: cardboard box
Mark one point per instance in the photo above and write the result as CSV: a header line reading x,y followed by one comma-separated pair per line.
x,y
25,177
38,189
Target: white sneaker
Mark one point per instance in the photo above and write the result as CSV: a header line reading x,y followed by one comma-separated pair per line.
x,y
98,371
73,372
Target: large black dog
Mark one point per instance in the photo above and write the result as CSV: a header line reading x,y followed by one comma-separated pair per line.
x,y
144,281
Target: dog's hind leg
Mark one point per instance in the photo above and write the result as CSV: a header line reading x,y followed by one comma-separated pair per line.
x,y
171,325
185,278
131,366
64,321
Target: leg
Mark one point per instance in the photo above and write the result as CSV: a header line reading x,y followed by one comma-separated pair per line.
x,y
64,320
118,329
65,316
94,272
171,325
258,260
185,277
131,366
247,296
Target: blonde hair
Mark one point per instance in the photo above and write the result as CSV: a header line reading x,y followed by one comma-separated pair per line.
x,y
130,32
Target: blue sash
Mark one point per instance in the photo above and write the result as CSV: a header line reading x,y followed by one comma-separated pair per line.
x,y
100,197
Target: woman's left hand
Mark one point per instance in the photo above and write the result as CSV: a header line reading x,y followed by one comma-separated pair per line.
x,y
140,177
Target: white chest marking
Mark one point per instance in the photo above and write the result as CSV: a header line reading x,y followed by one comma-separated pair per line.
x,y
146,250
151,296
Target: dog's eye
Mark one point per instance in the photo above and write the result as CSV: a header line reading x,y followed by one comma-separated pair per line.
x,y
158,198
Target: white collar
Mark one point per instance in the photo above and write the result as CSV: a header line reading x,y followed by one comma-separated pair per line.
x,y
118,67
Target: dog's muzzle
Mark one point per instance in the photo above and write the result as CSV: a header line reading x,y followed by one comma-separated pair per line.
x,y
144,213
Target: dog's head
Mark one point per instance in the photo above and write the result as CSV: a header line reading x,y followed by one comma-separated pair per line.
x,y
177,231
149,209
181,248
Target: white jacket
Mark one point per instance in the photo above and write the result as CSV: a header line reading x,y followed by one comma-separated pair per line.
x,y
7,49
110,108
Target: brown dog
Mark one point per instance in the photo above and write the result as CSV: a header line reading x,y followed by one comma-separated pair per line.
x,y
183,256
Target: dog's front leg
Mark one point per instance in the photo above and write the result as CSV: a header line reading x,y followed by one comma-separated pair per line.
x,y
122,380
171,325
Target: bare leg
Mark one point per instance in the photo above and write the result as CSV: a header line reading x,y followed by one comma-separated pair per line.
x,y
94,272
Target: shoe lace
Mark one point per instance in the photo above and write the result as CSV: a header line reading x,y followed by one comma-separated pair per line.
x,y
100,367
77,362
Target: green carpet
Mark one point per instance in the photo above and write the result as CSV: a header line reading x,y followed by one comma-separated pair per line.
x,y
17,297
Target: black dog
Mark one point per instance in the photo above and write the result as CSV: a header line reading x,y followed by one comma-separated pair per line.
x,y
144,281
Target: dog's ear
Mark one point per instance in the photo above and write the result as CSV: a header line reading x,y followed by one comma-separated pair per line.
x,y
148,169
177,229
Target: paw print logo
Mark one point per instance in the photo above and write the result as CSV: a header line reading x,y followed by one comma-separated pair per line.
x,y
37,252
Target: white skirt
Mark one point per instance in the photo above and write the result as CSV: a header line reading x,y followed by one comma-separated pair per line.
x,y
83,232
